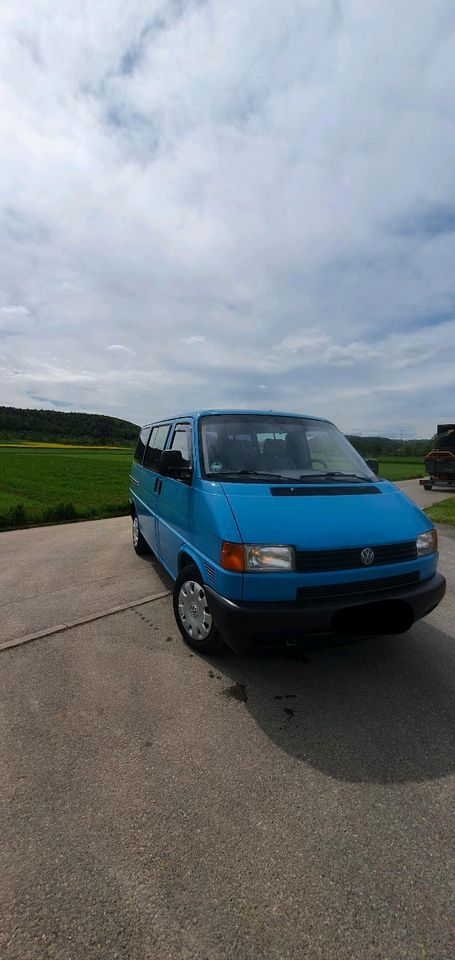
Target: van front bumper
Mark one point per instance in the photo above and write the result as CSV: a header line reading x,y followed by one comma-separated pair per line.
x,y
372,612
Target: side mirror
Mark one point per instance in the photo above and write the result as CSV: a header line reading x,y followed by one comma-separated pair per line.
x,y
373,465
173,465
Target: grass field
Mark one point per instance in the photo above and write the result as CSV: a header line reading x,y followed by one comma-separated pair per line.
x,y
404,468
51,483
442,512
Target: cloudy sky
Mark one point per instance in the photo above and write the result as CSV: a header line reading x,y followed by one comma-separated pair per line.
x,y
220,202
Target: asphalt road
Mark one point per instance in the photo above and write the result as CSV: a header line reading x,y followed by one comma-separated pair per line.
x,y
160,805
423,498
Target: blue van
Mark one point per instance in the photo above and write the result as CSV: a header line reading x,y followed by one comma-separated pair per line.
x,y
271,523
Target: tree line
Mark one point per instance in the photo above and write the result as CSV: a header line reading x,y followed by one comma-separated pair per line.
x,y
54,426
93,428
385,446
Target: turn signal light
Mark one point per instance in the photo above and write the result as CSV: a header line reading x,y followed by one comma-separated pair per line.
x,y
232,556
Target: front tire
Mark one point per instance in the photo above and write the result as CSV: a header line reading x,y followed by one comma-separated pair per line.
x,y
192,613
427,486
140,545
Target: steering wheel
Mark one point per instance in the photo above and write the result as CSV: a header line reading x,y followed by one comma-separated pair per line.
x,y
319,461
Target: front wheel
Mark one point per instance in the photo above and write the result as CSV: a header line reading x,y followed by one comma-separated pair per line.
x,y
427,486
192,614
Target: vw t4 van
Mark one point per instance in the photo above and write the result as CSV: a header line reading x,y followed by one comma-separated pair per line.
x,y
271,523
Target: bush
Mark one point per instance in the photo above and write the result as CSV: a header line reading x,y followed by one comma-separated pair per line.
x,y
60,512
14,517
17,515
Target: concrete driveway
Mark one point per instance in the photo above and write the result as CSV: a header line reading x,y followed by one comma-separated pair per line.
x,y
423,498
161,805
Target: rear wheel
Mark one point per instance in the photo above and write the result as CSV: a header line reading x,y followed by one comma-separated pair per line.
x,y
192,613
140,545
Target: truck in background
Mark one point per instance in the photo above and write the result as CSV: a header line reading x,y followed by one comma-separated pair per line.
x,y
440,462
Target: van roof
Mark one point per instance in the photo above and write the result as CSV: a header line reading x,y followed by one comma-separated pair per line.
x,y
196,414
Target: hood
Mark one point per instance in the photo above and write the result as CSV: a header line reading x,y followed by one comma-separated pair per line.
x,y
323,520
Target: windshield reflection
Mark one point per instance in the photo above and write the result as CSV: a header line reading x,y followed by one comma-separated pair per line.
x,y
251,447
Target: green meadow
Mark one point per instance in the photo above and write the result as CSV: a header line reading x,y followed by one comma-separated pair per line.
x,y
401,468
51,484
442,512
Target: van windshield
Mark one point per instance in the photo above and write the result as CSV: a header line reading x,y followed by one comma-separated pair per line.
x,y
254,448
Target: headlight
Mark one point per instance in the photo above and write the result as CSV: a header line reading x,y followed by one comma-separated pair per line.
x,y
256,557
427,542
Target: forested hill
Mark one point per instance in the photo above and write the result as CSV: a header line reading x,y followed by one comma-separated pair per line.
x,y
385,446
54,426
93,428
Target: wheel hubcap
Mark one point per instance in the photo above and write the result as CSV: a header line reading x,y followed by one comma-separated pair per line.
x,y
194,613
135,531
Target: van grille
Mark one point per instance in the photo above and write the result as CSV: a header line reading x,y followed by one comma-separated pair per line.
x,y
313,561
354,589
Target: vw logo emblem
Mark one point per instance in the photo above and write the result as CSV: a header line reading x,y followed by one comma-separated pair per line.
x,y
367,556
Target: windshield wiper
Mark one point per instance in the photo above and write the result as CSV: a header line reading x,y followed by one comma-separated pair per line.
x,y
304,478
220,474
334,475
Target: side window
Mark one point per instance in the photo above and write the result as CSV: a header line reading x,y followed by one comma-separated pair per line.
x,y
156,446
141,444
182,441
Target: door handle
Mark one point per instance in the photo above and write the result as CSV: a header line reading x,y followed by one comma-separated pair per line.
x,y
158,485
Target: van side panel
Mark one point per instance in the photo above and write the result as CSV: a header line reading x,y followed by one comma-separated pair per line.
x,y
140,499
195,519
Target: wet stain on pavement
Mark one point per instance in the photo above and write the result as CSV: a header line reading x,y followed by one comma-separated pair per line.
x,y
237,691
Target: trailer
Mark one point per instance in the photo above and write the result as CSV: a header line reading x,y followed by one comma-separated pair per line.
x,y
440,463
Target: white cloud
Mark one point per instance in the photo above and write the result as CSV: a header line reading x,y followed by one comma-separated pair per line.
x,y
119,348
190,340
14,319
276,178
14,311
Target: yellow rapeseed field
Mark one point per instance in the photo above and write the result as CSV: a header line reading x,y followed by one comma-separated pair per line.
x,y
55,446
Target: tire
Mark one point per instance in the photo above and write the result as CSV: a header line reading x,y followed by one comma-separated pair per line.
x,y
192,613
140,545
428,486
